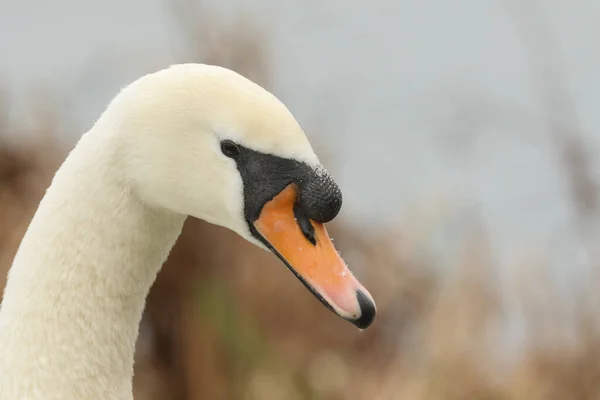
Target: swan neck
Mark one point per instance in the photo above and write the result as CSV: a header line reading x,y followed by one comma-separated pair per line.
x,y
76,291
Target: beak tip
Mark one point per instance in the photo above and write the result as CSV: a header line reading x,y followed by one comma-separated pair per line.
x,y
368,311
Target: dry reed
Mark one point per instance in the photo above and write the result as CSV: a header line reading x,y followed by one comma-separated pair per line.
x,y
225,320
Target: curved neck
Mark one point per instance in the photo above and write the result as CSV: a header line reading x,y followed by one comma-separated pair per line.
x,y
73,302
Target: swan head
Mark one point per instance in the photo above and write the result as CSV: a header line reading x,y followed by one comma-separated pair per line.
x,y
203,141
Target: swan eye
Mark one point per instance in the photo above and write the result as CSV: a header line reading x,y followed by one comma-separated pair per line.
x,y
229,148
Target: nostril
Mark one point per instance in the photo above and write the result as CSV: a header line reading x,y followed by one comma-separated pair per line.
x,y
367,311
304,223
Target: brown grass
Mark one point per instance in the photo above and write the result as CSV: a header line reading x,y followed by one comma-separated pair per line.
x,y
226,320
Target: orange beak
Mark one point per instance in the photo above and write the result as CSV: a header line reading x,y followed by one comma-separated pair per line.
x,y
314,261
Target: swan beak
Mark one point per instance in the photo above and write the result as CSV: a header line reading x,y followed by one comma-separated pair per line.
x,y
316,263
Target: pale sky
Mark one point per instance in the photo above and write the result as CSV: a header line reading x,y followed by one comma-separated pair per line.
x,y
390,83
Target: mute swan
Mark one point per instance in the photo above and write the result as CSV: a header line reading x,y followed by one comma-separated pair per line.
x,y
189,140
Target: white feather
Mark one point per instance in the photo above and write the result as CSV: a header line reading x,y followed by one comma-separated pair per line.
x,y
77,288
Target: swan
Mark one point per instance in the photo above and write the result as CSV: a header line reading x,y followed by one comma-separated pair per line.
x,y
189,140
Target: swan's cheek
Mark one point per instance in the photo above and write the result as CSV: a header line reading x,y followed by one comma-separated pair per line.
x,y
314,260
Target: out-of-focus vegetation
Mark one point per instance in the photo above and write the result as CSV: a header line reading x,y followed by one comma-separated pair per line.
x,y
226,320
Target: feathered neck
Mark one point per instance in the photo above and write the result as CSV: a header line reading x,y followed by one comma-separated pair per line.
x,y
72,306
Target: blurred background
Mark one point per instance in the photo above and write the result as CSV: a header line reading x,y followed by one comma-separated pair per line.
x,y
463,134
